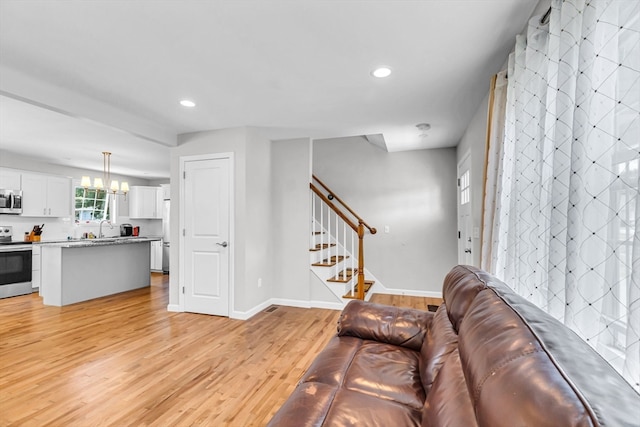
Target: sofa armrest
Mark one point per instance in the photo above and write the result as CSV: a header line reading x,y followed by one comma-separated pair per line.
x,y
392,325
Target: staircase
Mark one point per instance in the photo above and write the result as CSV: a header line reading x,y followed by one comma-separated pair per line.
x,y
336,249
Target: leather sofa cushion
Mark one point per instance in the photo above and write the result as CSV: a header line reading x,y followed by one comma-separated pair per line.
x,y
307,406
354,409
331,365
392,325
377,369
605,394
458,292
439,342
448,403
387,372
512,379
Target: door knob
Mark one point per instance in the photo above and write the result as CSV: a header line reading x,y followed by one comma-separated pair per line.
x,y
223,244
467,251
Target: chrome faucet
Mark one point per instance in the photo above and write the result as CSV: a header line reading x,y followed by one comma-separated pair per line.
x,y
100,235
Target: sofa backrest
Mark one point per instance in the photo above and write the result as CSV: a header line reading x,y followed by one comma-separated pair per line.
x,y
524,368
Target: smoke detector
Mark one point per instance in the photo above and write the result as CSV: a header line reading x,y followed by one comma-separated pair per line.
x,y
423,128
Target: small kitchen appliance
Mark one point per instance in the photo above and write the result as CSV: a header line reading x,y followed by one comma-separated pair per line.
x,y
10,202
126,230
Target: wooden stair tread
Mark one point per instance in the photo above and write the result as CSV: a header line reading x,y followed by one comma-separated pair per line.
x,y
367,286
344,276
329,262
320,247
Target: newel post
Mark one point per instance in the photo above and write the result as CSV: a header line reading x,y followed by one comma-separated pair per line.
x,y
360,260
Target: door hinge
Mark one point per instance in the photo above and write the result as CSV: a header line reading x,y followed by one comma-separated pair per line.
x,y
183,289
184,175
458,234
458,182
184,232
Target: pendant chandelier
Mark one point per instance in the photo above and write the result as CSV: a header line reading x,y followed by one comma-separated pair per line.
x,y
99,183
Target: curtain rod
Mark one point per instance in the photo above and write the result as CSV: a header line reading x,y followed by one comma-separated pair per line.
x,y
545,18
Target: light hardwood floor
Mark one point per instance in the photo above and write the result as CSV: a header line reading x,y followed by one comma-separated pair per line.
x,y
124,360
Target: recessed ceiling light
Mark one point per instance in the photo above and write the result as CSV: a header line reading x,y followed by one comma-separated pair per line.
x,y
381,72
187,103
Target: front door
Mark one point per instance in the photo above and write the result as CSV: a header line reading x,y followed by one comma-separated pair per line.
x,y
206,232
465,242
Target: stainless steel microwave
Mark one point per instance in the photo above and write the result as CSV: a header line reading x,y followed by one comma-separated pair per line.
x,y
10,202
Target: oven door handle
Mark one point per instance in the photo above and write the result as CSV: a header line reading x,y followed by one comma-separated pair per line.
x,y
12,248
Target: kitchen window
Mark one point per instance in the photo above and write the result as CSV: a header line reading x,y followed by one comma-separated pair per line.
x,y
92,205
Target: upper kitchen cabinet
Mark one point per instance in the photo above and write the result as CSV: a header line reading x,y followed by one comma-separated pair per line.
x,y
145,202
46,195
166,191
10,179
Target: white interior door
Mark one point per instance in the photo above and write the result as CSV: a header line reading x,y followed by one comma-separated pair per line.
x,y
207,191
465,226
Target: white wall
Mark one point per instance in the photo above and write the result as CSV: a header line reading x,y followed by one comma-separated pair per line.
x,y
474,142
252,244
61,228
412,192
260,246
220,141
291,218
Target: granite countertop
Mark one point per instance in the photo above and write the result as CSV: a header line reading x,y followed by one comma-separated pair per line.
x,y
84,243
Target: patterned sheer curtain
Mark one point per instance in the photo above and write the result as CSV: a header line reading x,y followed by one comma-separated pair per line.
x,y
564,211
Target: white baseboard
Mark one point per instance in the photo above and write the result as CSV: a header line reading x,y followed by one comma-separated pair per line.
x,y
174,308
413,293
291,302
244,315
327,305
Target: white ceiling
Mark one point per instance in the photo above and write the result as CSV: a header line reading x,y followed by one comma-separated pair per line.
x,y
81,77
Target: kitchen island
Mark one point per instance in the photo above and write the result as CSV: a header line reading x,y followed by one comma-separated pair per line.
x,y
80,270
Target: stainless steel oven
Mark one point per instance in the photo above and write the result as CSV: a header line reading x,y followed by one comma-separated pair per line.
x,y
15,265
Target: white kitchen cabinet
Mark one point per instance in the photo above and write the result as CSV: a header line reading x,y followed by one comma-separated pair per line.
x,y
10,179
35,266
166,191
159,202
143,203
46,195
156,256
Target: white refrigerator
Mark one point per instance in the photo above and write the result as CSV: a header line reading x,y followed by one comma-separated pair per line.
x,y
166,235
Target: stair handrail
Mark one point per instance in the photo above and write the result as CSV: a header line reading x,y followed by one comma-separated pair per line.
x,y
372,230
358,228
334,208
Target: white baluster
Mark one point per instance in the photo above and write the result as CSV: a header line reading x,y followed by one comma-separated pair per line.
x,y
344,249
313,219
337,247
328,232
321,228
353,256
353,289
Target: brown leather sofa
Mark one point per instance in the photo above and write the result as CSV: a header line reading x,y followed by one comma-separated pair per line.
x,y
487,357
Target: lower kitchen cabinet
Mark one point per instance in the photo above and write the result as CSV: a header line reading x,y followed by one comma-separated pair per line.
x,y
156,256
35,266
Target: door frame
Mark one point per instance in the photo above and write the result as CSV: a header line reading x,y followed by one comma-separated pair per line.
x,y
232,209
